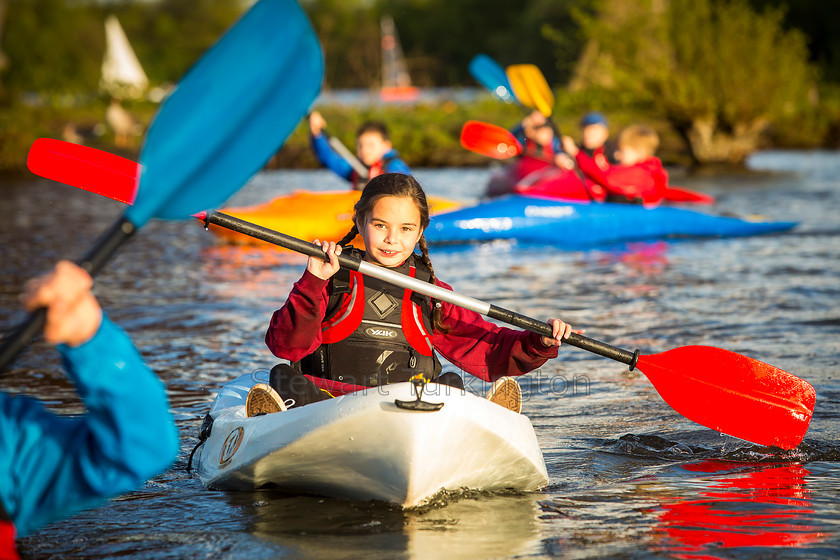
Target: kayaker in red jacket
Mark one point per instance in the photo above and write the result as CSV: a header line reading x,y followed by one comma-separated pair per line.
x,y
594,137
391,216
540,140
639,177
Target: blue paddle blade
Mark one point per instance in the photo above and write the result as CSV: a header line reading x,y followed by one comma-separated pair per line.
x,y
230,113
491,75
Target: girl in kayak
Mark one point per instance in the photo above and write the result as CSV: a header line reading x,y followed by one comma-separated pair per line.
x,y
343,331
51,465
373,147
639,176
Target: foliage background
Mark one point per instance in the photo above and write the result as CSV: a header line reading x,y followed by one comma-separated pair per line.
x,y
51,51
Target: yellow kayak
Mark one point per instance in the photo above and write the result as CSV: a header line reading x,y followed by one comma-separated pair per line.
x,y
308,215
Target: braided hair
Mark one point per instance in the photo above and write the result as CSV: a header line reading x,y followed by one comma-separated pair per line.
x,y
399,185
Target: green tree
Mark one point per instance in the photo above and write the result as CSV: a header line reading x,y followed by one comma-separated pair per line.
x,y
349,35
49,44
56,46
720,72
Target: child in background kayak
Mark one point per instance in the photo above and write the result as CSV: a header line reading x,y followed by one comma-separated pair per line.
x,y
51,465
638,178
373,148
539,138
343,331
594,133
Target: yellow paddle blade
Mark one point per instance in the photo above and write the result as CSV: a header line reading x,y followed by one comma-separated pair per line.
x,y
530,87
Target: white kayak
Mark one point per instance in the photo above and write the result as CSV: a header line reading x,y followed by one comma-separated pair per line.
x,y
362,446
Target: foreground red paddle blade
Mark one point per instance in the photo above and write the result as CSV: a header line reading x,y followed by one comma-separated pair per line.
x,y
489,140
733,394
86,168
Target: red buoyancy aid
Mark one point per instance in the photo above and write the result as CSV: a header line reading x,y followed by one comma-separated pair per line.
x,y
533,149
374,333
374,170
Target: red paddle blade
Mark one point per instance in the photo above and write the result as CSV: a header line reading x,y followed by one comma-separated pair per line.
x,y
489,140
86,168
682,194
733,394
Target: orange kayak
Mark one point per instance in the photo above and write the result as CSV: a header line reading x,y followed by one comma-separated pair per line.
x,y
308,215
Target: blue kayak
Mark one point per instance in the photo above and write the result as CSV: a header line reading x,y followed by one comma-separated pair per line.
x,y
569,224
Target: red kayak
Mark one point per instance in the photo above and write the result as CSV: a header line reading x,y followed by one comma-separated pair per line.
x,y
531,176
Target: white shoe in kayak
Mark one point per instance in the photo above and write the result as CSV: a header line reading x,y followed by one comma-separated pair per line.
x,y
506,392
263,399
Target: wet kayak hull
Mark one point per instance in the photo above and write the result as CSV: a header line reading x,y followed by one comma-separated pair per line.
x,y
361,446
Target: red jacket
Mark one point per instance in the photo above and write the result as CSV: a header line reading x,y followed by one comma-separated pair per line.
x,y
646,180
473,344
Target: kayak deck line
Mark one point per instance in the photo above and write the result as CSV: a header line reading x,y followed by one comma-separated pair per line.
x,y
362,446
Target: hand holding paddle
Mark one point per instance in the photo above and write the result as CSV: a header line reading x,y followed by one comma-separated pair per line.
x,y
227,116
317,126
722,390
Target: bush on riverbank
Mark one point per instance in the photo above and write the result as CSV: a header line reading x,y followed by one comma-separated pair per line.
x,y
425,135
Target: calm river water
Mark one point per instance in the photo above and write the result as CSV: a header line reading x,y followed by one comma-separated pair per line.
x,y
630,478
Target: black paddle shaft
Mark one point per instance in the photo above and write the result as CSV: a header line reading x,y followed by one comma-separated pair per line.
x,y
352,263
119,232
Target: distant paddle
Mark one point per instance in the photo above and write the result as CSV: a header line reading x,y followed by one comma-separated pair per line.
x,y
531,87
719,389
492,76
232,110
490,140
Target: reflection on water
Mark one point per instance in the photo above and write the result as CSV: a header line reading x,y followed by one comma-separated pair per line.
x,y
479,526
741,506
629,477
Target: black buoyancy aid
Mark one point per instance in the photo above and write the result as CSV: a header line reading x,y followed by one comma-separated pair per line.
x,y
8,551
375,333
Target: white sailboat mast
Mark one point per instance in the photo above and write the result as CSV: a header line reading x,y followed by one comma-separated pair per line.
x,y
394,69
122,74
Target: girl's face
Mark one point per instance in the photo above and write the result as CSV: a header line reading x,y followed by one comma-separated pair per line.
x,y
391,230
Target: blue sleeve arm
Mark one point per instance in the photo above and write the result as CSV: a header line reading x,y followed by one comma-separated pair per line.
x,y
56,465
396,165
329,158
